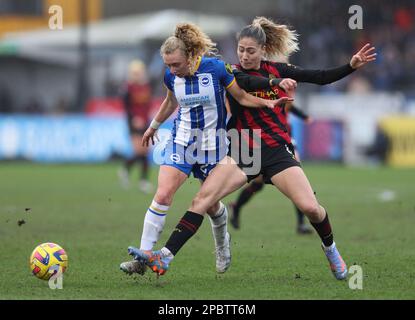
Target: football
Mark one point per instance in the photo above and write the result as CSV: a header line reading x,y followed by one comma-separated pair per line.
x,y
45,258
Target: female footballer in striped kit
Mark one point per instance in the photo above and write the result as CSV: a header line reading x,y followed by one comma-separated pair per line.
x,y
196,84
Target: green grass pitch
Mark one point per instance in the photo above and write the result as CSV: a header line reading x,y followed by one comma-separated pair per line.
x,y
83,208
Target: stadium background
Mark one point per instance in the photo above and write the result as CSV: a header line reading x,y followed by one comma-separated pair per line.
x,y
62,133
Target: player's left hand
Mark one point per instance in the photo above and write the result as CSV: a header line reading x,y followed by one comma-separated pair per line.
x,y
364,56
288,84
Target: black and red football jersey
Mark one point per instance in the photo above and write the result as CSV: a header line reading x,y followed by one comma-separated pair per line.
x,y
273,122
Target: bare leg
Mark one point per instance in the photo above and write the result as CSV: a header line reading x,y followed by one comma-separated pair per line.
x,y
223,180
294,184
169,181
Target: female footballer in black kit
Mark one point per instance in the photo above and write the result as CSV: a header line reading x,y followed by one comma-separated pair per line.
x,y
258,183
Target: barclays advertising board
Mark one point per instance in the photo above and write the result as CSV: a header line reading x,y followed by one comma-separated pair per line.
x,y
68,138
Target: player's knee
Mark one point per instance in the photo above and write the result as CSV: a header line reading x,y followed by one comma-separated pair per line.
x,y
311,209
164,196
201,202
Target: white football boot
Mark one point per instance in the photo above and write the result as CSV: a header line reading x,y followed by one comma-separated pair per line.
x,y
223,255
134,266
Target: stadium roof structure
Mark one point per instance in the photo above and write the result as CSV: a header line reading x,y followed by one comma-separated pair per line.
x,y
124,32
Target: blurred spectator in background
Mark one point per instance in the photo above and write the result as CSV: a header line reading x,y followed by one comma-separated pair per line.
x,y
359,85
379,149
136,95
5,101
61,107
33,106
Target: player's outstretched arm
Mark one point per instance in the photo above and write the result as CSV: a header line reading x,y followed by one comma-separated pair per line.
x,y
248,100
362,57
167,107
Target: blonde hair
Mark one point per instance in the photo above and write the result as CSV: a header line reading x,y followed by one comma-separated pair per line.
x,y
192,41
278,39
136,65
137,71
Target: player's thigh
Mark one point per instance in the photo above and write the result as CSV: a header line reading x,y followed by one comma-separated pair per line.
x,y
294,184
170,179
225,178
214,206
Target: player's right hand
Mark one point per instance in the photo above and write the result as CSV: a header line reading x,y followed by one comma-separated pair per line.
x,y
279,102
150,134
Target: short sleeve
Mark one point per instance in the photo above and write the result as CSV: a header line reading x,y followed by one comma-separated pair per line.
x,y
225,73
169,79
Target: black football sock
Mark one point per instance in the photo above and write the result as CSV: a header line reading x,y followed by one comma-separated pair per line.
x,y
300,216
246,195
129,163
323,229
187,227
144,167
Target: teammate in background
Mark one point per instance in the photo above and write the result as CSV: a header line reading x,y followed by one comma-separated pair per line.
x,y
263,39
137,102
257,185
197,84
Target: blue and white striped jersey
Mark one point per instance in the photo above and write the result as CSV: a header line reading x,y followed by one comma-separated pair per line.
x,y
201,99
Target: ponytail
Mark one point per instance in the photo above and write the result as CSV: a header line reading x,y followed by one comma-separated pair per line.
x,y
192,41
277,39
